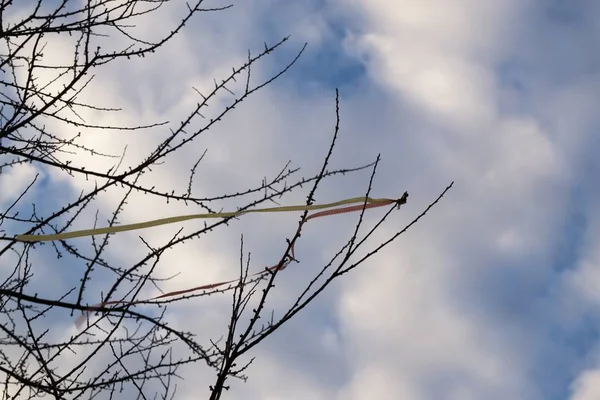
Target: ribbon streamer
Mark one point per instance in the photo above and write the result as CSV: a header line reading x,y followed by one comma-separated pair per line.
x,y
367,203
170,220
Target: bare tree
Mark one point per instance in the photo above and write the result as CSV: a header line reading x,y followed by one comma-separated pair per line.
x,y
37,97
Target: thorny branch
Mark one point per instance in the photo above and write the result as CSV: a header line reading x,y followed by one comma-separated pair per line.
x,y
123,351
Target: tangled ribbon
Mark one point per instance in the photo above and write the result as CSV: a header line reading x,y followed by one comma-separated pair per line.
x,y
367,203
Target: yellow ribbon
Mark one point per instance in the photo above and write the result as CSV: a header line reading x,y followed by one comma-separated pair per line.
x,y
170,220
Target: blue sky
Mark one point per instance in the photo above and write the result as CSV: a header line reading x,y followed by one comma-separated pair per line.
x,y
495,294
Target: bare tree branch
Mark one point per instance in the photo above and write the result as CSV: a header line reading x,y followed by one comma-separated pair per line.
x,y
127,348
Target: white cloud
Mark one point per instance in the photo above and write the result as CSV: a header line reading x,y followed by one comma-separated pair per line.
x,y
14,181
399,314
587,386
372,381
438,53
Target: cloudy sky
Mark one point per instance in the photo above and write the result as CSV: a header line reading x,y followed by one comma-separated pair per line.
x,y
493,296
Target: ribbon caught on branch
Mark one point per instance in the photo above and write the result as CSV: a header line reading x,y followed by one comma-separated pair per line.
x,y
329,209
370,203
